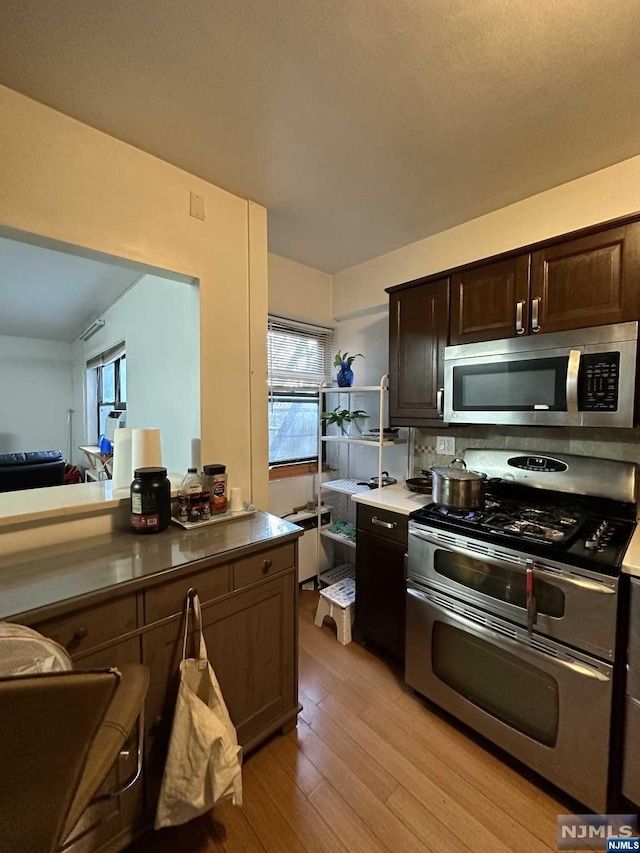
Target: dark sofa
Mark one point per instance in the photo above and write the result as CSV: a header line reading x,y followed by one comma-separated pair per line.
x,y
31,470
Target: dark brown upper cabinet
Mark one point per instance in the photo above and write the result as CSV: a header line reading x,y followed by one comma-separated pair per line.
x,y
588,281
418,330
490,302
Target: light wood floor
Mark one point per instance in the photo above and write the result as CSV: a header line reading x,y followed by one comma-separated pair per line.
x,y
369,769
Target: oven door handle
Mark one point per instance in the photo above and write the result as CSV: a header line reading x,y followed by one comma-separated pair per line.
x,y
573,373
540,571
561,579
531,598
467,552
523,649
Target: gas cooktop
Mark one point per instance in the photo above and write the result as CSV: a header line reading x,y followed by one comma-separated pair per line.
x,y
571,509
582,533
541,523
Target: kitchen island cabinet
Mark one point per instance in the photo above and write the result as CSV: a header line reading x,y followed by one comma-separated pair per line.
x,y
119,599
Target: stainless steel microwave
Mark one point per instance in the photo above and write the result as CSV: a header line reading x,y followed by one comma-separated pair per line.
x,y
585,377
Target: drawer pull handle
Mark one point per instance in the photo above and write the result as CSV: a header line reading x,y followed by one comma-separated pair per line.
x,y
80,634
388,524
266,565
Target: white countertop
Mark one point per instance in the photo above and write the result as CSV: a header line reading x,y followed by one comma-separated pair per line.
x,y
631,560
395,498
29,505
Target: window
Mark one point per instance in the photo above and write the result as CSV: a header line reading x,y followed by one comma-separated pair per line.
x,y
106,388
299,358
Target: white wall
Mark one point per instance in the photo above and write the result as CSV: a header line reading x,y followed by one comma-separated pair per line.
x,y
299,292
159,321
35,394
603,195
63,181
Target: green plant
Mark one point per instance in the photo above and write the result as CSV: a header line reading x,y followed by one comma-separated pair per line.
x,y
341,417
345,357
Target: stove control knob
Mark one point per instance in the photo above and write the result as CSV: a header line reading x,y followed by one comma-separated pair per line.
x,y
592,544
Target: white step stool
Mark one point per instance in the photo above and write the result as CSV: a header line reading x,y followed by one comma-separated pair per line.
x,y
337,601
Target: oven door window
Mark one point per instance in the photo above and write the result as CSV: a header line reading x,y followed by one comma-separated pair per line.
x,y
498,582
511,690
512,386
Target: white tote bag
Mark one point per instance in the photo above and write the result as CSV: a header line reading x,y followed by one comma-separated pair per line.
x,y
203,762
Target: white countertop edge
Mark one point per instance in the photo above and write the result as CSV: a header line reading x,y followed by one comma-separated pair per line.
x,y
62,502
631,559
396,498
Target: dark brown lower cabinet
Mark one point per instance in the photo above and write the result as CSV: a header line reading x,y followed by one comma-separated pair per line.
x,y
380,580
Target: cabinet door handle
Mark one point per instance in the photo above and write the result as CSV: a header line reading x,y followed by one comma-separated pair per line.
x,y
535,315
266,565
519,310
388,524
440,401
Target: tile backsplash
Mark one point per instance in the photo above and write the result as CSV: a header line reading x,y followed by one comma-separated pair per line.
x,y
622,444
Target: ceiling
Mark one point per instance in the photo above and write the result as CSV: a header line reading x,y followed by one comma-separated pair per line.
x,y
54,296
362,125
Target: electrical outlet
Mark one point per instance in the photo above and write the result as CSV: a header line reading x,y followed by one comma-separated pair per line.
x,y
446,445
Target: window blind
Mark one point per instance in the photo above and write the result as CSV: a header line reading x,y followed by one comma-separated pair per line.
x,y
299,355
107,356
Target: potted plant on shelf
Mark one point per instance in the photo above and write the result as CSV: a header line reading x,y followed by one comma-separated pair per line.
x,y
344,361
343,418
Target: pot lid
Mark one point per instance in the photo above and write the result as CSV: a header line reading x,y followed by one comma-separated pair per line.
x,y
451,473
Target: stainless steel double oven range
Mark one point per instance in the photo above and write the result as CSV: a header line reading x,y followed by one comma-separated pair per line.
x,y
512,610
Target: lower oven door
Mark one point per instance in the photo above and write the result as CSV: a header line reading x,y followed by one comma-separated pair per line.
x,y
570,605
546,705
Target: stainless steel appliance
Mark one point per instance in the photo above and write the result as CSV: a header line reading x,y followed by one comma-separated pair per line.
x,y
585,377
512,610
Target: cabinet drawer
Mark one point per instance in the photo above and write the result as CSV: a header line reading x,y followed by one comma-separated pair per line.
x,y
263,565
91,626
389,525
168,599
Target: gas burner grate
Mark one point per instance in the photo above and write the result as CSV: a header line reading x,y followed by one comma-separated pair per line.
x,y
458,514
548,525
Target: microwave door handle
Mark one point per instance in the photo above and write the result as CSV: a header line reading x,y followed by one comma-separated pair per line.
x,y
573,372
439,402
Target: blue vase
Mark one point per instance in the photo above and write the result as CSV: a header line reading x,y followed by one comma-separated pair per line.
x,y
345,375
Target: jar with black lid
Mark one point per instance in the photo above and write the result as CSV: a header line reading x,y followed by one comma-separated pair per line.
x,y
150,500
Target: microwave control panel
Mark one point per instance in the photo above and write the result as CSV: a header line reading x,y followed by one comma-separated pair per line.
x,y
599,381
